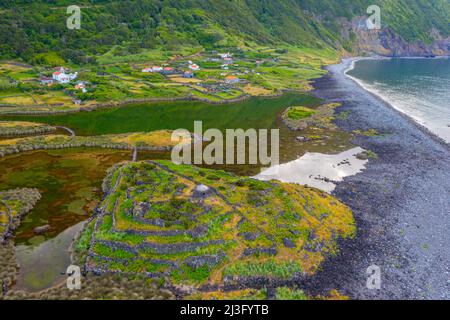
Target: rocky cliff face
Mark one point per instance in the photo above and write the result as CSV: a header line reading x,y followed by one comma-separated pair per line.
x,y
385,42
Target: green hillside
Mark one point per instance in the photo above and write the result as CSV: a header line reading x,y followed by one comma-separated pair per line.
x,y
32,27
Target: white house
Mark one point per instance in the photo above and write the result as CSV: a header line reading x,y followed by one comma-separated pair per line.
x,y
194,67
226,55
152,69
62,77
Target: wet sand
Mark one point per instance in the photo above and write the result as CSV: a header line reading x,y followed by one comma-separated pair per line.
x,y
401,202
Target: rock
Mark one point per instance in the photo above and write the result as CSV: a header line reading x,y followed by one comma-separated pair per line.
x,y
288,243
41,229
250,236
141,208
363,155
201,191
301,139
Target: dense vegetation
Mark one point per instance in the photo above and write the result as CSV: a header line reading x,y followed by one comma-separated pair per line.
x,y
35,30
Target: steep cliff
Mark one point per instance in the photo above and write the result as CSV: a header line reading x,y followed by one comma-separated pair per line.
x,y
386,42
408,27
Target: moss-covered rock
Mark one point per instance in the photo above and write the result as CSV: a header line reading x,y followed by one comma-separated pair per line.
x,y
300,118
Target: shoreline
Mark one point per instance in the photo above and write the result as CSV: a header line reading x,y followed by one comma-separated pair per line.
x,y
350,62
400,202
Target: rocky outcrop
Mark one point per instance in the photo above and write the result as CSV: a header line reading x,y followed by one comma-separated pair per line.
x,y
386,42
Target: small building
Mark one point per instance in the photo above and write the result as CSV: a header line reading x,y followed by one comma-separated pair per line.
x,y
46,81
76,101
62,77
226,55
194,67
188,74
152,69
228,60
232,80
259,62
168,70
147,70
225,67
81,86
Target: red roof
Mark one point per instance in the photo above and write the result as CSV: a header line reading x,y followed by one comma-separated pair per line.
x,y
56,73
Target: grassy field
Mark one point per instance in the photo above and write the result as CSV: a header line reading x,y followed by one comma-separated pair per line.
x,y
155,221
115,79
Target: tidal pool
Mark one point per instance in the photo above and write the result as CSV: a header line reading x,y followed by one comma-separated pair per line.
x,y
43,265
317,169
69,181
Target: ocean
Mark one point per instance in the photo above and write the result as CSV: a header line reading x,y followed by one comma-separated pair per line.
x,y
420,88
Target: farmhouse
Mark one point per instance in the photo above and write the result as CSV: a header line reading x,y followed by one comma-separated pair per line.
x,y
194,67
46,81
232,79
168,70
188,74
226,55
61,76
228,60
81,86
152,69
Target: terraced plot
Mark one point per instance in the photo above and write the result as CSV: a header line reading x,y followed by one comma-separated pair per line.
x,y
13,205
200,227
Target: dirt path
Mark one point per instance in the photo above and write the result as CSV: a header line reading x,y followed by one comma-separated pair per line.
x,y
401,203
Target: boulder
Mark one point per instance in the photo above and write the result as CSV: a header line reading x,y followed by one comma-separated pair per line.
x,y
202,191
42,229
288,243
